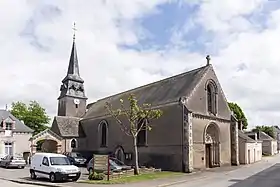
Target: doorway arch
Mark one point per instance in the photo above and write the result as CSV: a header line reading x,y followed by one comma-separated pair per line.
x,y
212,145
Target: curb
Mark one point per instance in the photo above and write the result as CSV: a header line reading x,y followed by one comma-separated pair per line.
x,y
33,183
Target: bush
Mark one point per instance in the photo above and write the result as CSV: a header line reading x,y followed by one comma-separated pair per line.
x,y
96,176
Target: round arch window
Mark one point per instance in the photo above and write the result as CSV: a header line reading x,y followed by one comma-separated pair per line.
x,y
73,143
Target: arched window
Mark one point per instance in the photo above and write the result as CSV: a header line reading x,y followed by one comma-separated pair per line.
x,y
211,98
103,129
142,135
73,143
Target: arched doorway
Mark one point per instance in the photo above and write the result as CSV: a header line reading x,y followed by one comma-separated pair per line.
x,y
212,145
46,141
119,154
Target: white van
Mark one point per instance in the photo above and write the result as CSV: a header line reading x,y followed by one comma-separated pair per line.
x,y
55,167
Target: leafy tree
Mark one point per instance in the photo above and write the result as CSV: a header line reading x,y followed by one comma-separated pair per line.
x,y
267,129
139,118
239,114
33,115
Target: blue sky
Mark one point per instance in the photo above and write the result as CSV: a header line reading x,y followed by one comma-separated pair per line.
x,y
130,43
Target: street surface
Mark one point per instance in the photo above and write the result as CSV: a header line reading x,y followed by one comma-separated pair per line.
x,y
262,174
11,184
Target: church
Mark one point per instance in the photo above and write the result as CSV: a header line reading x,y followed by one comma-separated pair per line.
x,y
196,131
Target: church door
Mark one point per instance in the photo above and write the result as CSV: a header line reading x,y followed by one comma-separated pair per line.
x,y
208,157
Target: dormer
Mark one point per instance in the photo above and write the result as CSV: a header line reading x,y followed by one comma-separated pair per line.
x,y
8,125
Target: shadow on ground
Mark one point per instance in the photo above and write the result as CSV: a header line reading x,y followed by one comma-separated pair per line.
x,y
269,177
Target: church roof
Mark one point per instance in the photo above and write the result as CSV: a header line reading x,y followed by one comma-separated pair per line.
x,y
67,126
19,126
162,92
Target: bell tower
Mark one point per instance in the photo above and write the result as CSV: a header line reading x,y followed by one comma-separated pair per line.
x,y
72,99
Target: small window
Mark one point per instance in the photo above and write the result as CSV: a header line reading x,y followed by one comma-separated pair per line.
x,y
45,161
73,144
211,98
9,126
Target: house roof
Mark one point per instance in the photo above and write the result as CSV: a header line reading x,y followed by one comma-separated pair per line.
x,y
264,136
68,126
158,93
245,137
19,126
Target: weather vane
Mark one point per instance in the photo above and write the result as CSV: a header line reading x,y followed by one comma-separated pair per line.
x,y
74,29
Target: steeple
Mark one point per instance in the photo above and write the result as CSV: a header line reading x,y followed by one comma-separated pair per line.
x,y
72,99
73,72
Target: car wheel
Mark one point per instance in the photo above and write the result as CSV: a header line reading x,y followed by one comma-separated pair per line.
x,y
7,166
52,177
32,175
90,170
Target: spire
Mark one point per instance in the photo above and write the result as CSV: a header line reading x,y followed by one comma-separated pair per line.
x,y
73,72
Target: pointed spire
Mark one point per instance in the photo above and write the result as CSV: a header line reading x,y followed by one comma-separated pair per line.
x,y
73,67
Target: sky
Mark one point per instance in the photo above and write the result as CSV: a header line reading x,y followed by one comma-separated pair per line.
x,y
127,43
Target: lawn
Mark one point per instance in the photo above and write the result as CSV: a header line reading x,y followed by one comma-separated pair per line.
x,y
136,178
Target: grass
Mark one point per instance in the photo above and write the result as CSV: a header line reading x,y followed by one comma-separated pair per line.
x,y
135,178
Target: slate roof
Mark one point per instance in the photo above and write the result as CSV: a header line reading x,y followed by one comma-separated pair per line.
x,y
245,137
161,92
264,136
19,126
67,126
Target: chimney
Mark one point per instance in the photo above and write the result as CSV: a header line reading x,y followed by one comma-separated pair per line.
x,y
240,125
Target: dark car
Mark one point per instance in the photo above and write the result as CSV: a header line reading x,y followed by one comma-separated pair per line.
x,y
76,158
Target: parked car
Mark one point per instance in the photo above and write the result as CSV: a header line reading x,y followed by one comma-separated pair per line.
x,y
76,158
55,167
2,156
121,164
13,162
114,166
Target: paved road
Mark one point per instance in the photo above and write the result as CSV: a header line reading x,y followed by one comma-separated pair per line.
x,y
264,174
11,184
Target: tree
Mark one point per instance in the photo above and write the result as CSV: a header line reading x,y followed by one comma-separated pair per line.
x,y
239,114
266,129
33,115
139,118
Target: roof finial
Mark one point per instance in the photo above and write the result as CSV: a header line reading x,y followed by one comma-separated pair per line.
x,y
74,29
208,58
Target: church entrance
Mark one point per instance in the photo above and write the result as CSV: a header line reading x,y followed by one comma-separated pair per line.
x,y
212,146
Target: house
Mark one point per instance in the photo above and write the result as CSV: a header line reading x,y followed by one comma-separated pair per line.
x,y
269,145
276,131
196,130
14,135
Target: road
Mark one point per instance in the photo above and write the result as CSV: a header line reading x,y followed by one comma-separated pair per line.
x,y
11,184
262,174
256,175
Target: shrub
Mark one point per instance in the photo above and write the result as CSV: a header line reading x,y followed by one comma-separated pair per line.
x,y
96,176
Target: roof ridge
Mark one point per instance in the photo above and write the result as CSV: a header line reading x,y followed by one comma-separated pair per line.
x,y
150,84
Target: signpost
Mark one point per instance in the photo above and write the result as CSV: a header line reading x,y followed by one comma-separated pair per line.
x,y
101,163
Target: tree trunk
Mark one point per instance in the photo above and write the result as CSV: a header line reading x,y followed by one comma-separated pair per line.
x,y
136,167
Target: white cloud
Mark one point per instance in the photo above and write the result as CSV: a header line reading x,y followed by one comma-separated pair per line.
x,y
29,73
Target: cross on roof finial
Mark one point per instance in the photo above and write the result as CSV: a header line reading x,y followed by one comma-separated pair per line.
x,y
74,29
208,58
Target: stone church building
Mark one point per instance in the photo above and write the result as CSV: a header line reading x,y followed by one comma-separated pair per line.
x,y
197,129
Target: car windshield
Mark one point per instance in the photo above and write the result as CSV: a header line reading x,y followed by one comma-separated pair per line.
x,y
59,161
112,163
76,155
